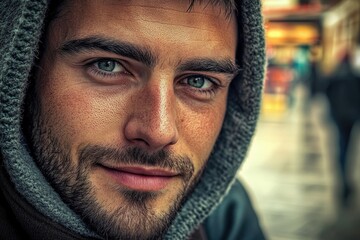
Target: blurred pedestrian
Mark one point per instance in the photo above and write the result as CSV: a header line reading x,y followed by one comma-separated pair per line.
x,y
343,92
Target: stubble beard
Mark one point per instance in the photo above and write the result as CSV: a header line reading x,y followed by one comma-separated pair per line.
x,y
133,218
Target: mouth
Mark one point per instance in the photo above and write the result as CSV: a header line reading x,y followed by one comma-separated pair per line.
x,y
140,178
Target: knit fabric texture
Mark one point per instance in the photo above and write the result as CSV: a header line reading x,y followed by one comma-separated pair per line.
x,y
21,23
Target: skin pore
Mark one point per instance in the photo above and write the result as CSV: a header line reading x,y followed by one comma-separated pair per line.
x,y
129,99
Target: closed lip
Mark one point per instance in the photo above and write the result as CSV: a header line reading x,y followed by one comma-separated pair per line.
x,y
143,170
141,178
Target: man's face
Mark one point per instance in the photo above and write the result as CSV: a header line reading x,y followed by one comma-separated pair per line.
x,y
130,98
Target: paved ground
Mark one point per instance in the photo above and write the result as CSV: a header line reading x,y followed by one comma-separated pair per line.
x,y
291,175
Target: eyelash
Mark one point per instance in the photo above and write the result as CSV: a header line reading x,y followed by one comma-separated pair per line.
x,y
100,73
209,93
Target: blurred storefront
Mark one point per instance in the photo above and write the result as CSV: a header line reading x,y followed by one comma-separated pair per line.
x,y
292,168
341,25
305,40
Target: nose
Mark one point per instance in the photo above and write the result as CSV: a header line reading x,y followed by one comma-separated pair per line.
x,y
152,122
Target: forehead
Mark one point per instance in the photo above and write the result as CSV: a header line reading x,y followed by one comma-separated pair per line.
x,y
153,22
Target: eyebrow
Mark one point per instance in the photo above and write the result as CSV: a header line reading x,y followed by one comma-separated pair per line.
x,y
140,54
210,65
144,55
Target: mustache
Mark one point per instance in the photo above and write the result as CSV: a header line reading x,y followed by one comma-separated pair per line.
x,y
95,154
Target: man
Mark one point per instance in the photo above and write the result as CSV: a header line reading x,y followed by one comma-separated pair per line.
x,y
342,90
136,118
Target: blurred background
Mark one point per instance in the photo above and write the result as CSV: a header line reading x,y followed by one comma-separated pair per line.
x,y
302,170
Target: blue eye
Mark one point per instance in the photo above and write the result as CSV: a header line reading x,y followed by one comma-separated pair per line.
x,y
199,82
108,65
196,82
107,71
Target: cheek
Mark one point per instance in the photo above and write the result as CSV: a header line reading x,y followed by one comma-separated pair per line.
x,y
75,115
202,130
62,110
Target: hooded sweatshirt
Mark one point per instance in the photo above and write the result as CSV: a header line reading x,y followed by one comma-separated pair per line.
x,y
24,188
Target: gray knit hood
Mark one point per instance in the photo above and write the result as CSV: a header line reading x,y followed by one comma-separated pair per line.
x,y
21,23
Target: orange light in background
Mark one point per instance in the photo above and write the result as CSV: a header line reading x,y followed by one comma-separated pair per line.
x,y
281,33
276,4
